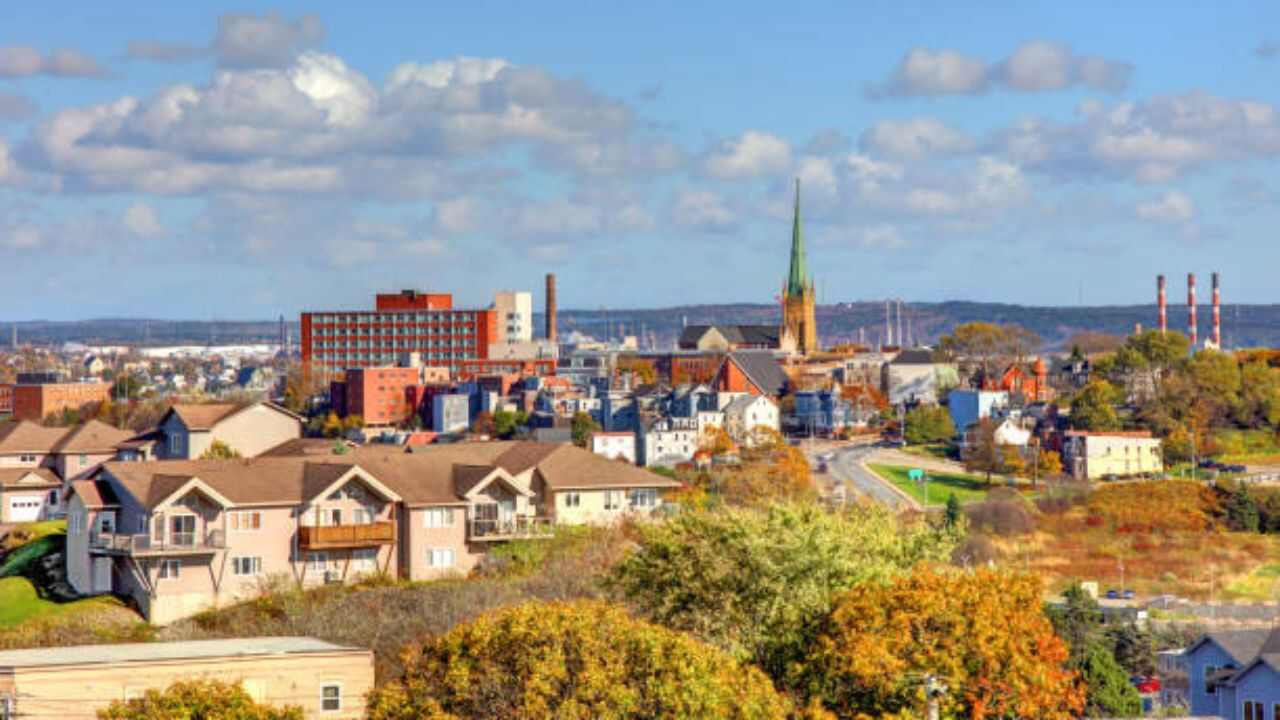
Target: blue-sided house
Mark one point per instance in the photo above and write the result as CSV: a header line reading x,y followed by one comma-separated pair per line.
x,y
1235,674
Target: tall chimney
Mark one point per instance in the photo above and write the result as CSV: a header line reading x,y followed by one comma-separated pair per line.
x,y
1217,312
902,341
551,307
888,324
1191,308
1163,303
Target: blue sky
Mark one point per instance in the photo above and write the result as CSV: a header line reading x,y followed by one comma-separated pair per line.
x,y
198,160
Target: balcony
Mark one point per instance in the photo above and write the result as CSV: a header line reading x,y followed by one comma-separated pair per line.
x,y
518,527
143,544
346,536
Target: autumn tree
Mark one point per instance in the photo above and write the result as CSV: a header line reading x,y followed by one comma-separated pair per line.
x,y
642,369
1259,402
988,346
983,454
928,424
1090,342
1093,408
582,427
755,582
197,700
982,634
572,660
483,423
219,450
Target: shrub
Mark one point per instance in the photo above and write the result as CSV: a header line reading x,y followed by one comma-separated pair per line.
x,y
197,700
1002,517
976,549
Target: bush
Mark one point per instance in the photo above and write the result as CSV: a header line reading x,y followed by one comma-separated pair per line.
x,y
1002,517
976,549
197,700
572,660
928,424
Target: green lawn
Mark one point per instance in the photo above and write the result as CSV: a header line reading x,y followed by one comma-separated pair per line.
x,y
16,562
939,451
967,488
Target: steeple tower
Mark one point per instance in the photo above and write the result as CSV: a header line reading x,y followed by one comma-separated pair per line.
x,y
798,303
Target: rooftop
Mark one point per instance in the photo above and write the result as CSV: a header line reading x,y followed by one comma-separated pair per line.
x,y
155,652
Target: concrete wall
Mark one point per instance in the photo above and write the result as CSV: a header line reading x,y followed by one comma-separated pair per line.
x,y
78,692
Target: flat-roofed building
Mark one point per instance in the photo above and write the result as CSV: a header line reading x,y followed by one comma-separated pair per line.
x,y
74,683
1096,455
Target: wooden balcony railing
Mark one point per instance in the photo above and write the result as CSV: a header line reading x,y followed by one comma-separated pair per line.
x,y
347,536
174,544
516,527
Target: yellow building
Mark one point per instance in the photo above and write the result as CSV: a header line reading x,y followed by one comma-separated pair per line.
x,y
1095,456
799,318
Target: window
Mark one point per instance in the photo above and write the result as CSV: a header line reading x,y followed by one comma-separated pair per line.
x,y
440,557
330,697
244,520
84,460
246,566
6,707
1209,670
170,569
612,500
53,497
1253,710
182,530
317,561
644,497
438,518
362,516
365,559
175,444
572,499
27,458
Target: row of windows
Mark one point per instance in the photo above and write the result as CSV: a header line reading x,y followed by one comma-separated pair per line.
x,y
339,355
405,344
643,497
463,329
397,317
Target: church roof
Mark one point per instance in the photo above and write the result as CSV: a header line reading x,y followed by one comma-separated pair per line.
x,y
797,278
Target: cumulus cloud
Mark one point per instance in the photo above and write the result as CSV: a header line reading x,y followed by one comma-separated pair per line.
x,y
702,210
26,61
1034,66
16,107
143,221
914,139
245,40
752,154
165,52
557,217
1172,208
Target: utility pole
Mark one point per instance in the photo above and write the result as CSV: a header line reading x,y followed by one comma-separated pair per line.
x,y
934,690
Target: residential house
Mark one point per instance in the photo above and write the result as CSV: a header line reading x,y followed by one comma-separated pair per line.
x,y
257,380
1235,674
177,537
28,494
190,430
92,366
615,445
63,453
751,371
84,448
914,377
667,441
75,683
821,412
1098,455
745,415
968,407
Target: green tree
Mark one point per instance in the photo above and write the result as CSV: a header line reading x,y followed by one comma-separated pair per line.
x,y
983,454
1078,621
755,582
582,427
1110,694
1093,408
951,517
928,424
197,700
219,450
1216,378
1259,395
1242,511
572,660
507,424
1133,647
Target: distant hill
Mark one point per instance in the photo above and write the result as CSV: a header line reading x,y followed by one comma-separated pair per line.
x,y
1243,325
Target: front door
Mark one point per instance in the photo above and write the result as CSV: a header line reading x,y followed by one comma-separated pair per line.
x,y
102,575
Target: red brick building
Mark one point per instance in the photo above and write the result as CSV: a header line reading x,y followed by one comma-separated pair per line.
x,y
37,401
6,399
406,322
382,396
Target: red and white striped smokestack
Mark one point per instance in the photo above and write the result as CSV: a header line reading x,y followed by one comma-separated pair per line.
x,y
1191,308
1217,312
1163,303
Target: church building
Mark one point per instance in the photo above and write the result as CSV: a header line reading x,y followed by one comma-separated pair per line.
x,y
798,301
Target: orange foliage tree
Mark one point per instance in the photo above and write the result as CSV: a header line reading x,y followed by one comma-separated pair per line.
x,y
572,660
865,395
982,634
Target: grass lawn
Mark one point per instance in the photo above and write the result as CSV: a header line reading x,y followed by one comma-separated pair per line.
x,y
938,451
967,488
19,601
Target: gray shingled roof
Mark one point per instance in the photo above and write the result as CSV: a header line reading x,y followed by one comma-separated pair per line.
x,y
762,368
734,334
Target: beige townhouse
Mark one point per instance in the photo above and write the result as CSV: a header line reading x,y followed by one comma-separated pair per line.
x,y
187,431
48,455
27,494
74,683
181,536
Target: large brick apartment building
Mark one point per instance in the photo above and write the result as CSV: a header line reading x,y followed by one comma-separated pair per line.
x,y
34,398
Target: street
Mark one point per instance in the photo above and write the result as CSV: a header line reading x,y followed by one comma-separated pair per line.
x,y
846,467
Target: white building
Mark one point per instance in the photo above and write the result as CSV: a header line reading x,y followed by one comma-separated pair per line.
x,y
615,445
667,441
744,415
515,316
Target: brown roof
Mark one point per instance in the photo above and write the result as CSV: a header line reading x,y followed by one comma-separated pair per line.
x,y
12,478
26,436
202,417
93,436
433,475
141,440
95,493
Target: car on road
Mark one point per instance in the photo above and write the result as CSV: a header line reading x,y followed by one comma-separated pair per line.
x,y
822,466
1234,468
1113,594
1127,594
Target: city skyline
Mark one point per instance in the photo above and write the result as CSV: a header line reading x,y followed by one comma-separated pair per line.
x,y
191,162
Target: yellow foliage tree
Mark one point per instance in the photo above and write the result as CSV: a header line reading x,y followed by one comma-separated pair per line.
x,y
196,700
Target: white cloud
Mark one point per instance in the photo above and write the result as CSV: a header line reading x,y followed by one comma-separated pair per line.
x,y
142,220
25,61
1034,66
245,40
882,236
914,139
557,217
457,215
702,210
753,154
1172,208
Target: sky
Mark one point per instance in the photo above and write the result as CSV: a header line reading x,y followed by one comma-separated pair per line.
x,y
205,161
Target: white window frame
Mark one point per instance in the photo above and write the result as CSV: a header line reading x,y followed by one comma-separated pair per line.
x,y
644,497
433,553
253,564
164,573
614,499
1245,709
325,686
175,444
364,559
317,560
573,499
438,517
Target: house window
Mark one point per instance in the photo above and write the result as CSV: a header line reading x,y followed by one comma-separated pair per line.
x,y
6,707
644,497
1209,670
53,497
182,530
331,697
170,569
84,460
572,499
317,561
438,518
245,520
365,559
362,516
246,566
612,500
1253,710
175,444
440,557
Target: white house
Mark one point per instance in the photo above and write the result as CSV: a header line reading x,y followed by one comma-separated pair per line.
x,y
744,415
615,445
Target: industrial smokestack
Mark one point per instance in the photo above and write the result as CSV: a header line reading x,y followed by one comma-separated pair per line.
x,y
888,324
1163,303
1217,312
1191,308
551,307
901,339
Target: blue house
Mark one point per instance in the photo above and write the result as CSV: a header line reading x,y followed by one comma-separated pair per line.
x,y
1235,674
969,406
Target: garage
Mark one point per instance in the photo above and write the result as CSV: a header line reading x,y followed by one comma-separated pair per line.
x,y
24,508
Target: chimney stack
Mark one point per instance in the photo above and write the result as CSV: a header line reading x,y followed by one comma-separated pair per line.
x,y
1217,312
888,324
1163,304
551,307
1191,308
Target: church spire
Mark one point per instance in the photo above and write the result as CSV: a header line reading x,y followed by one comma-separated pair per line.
x,y
796,279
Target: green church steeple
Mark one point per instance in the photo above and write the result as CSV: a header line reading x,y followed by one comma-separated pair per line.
x,y
797,281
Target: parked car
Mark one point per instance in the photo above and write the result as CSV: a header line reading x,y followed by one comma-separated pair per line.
x,y
1207,464
1127,594
1113,594
1234,468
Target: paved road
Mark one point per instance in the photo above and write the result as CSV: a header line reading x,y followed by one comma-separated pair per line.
x,y
847,467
